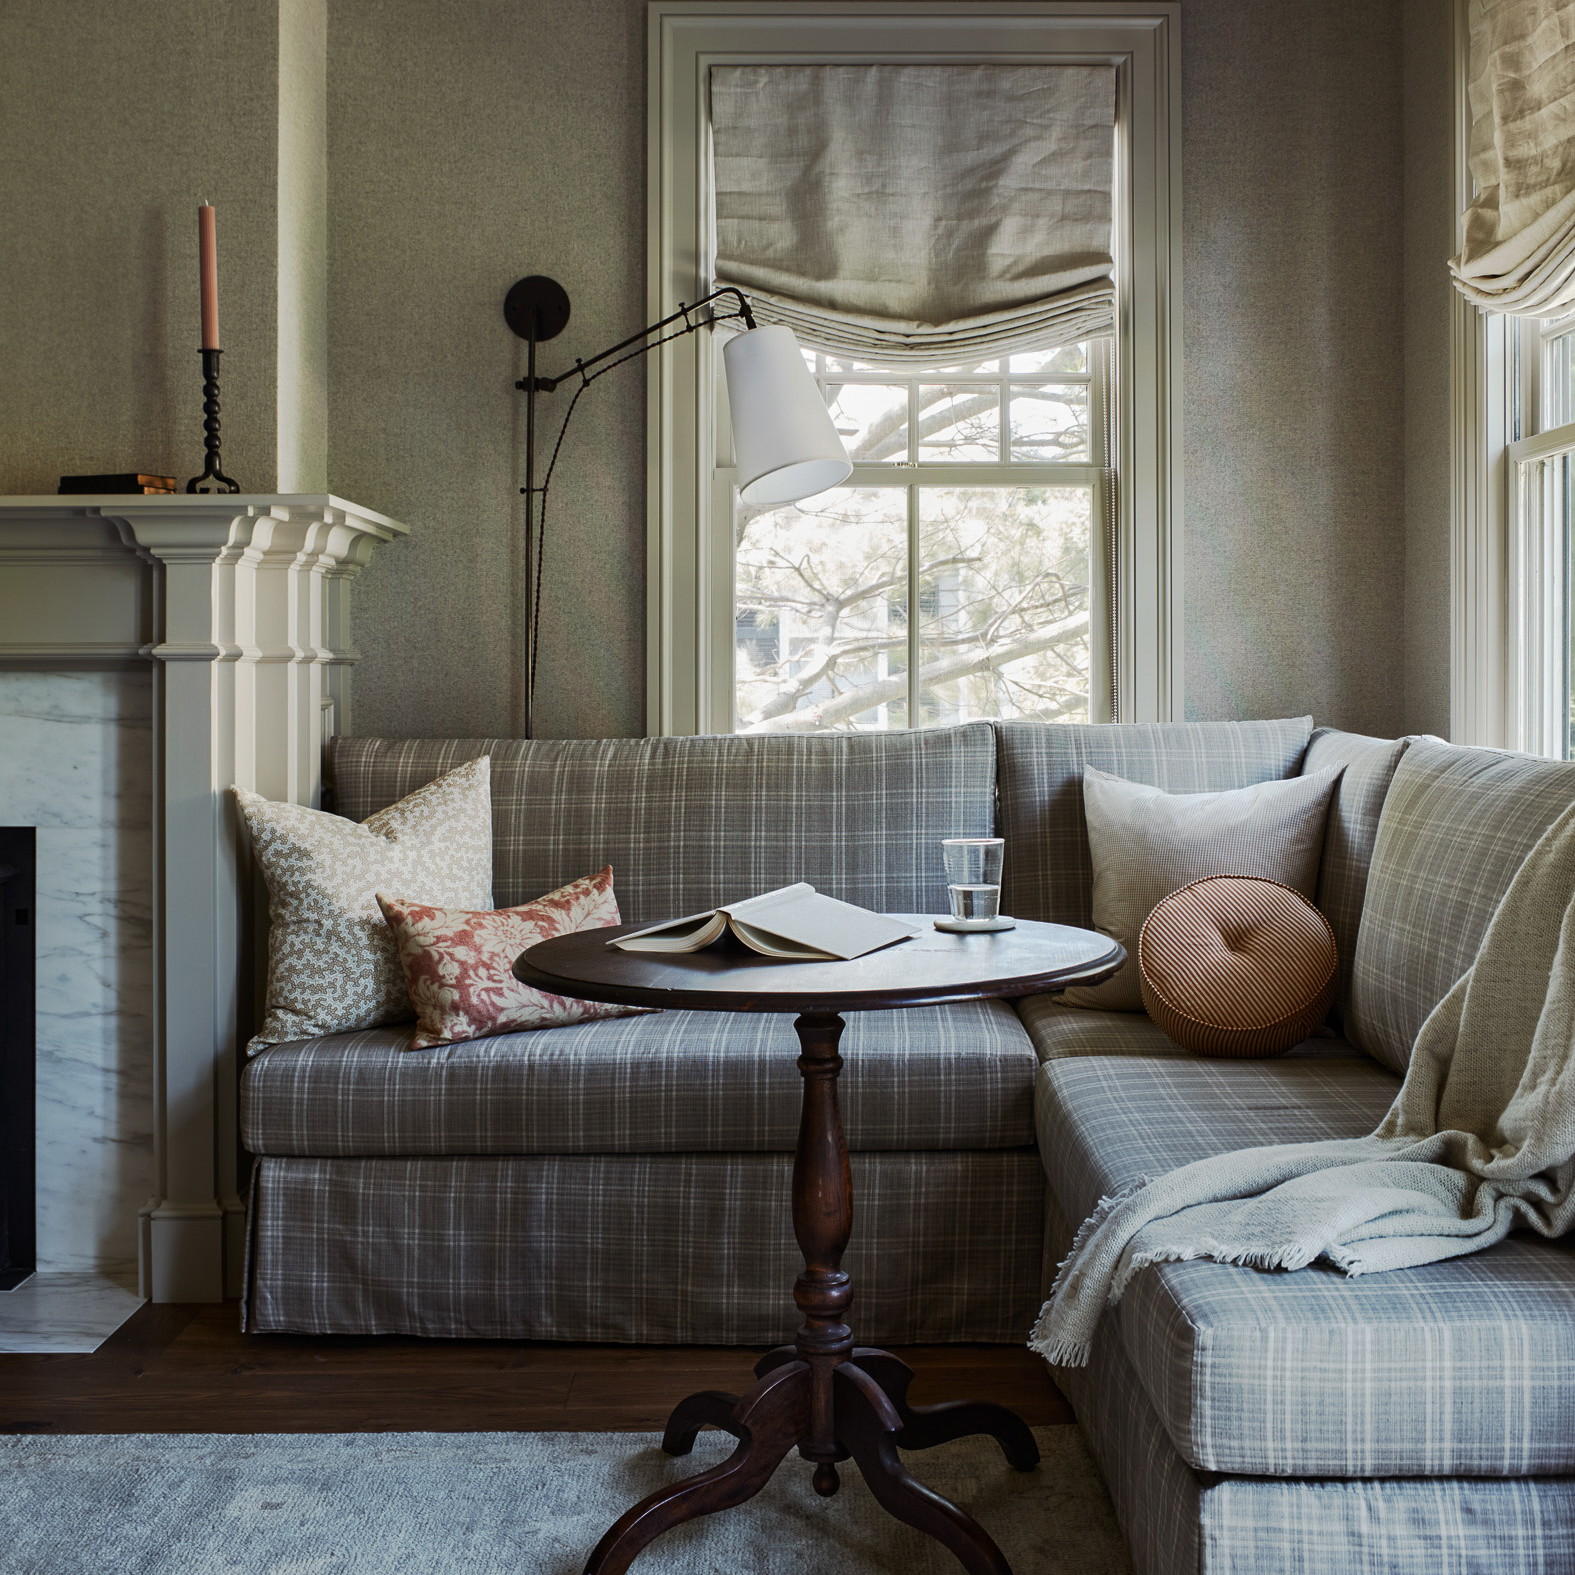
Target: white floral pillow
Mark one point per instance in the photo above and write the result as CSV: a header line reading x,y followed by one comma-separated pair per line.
x,y
459,966
332,963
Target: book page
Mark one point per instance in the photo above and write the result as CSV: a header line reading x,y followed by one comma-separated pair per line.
x,y
810,922
677,935
774,946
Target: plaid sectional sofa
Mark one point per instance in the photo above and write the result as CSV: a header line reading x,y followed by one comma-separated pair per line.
x,y
628,1180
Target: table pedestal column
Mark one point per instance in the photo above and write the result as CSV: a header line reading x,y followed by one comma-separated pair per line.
x,y
823,1394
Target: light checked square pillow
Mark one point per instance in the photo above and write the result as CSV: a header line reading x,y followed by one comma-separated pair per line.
x,y
332,962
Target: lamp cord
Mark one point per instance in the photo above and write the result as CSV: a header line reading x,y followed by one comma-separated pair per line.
x,y
586,379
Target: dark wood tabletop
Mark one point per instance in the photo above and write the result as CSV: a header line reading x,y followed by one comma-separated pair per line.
x,y
936,966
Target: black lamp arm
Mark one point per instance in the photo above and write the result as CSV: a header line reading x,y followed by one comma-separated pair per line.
x,y
537,308
638,344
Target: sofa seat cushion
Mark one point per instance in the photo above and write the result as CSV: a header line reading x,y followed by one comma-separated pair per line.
x,y
939,1077
1463,1368
1058,1030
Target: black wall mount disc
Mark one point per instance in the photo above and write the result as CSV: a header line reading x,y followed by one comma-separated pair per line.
x,y
536,307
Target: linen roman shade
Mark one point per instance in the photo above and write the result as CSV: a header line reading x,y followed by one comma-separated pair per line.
x,y
907,213
1518,252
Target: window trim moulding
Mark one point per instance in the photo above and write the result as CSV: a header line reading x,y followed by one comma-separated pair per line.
x,y
685,580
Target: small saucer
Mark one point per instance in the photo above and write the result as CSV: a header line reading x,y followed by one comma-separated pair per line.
x,y
976,926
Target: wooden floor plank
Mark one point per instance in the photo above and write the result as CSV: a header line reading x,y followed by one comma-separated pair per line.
x,y
189,1369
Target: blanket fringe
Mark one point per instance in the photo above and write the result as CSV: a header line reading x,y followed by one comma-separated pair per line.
x,y
1061,1352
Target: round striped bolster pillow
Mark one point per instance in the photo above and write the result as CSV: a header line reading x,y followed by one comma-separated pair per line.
x,y
1237,966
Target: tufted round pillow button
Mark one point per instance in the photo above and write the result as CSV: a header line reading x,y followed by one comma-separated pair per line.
x,y
1237,966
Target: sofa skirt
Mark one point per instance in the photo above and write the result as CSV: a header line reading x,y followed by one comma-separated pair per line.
x,y
636,1248
1179,1521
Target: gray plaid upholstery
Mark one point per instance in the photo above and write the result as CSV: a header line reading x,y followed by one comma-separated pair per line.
x,y
1368,768
658,1248
940,1077
1418,1527
1155,1492
687,823
1047,874
1180,1523
1457,1368
1456,825
1057,1029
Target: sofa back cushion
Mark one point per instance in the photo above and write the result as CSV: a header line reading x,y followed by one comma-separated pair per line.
x,y
1352,828
1048,874
1455,826
687,823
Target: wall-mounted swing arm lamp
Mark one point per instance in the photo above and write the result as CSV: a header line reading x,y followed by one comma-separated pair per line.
x,y
784,444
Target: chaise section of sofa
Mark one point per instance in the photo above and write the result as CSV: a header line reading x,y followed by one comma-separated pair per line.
x,y
1307,1422
627,1180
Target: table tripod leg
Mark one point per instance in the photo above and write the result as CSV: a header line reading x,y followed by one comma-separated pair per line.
x,y
924,1426
768,1422
776,1358
708,1408
869,1424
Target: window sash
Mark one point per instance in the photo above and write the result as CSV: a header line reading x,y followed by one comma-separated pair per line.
x,y
914,480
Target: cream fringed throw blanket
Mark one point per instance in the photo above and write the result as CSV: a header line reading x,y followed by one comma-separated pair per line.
x,y
1479,1139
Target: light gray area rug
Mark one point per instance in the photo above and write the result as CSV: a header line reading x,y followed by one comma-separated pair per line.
x,y
504,1504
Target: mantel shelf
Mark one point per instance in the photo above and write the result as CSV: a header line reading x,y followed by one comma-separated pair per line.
x,y
101,504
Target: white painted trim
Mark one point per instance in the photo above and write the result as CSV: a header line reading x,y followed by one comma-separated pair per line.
x,y
1142,40
240,604
1482,684
1484,687
1544,445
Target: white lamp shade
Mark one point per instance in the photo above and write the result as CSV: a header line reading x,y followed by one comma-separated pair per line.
x,y
784,443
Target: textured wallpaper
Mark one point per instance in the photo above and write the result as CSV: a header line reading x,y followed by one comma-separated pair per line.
x,y
1429,301
115,122
1291,191
470,145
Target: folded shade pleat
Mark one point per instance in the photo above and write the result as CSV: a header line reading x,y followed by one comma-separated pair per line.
x,y
927,213
1518,250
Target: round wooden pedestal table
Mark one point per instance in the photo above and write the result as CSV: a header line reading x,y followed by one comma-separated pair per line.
x,y
823,1394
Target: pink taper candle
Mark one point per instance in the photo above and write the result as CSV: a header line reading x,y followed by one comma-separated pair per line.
x,y
208,258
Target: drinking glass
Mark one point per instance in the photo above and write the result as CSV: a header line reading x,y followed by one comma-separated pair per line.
x,y
973,878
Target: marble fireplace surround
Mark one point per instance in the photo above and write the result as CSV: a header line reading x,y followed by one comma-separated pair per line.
x,y
153,650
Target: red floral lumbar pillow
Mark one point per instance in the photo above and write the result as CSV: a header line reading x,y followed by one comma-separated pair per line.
x,y
459,965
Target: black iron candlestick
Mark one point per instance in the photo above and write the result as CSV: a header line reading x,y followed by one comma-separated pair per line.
x,y
210,427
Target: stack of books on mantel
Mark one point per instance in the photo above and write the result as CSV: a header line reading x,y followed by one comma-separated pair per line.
x,y
124,481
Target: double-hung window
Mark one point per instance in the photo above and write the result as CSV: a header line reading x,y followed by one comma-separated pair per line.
x,y
1513,376
1006,544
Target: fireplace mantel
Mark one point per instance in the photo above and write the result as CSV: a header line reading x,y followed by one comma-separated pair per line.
x,y
239,608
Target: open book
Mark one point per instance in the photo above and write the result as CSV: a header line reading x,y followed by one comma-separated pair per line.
x,y
792,922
